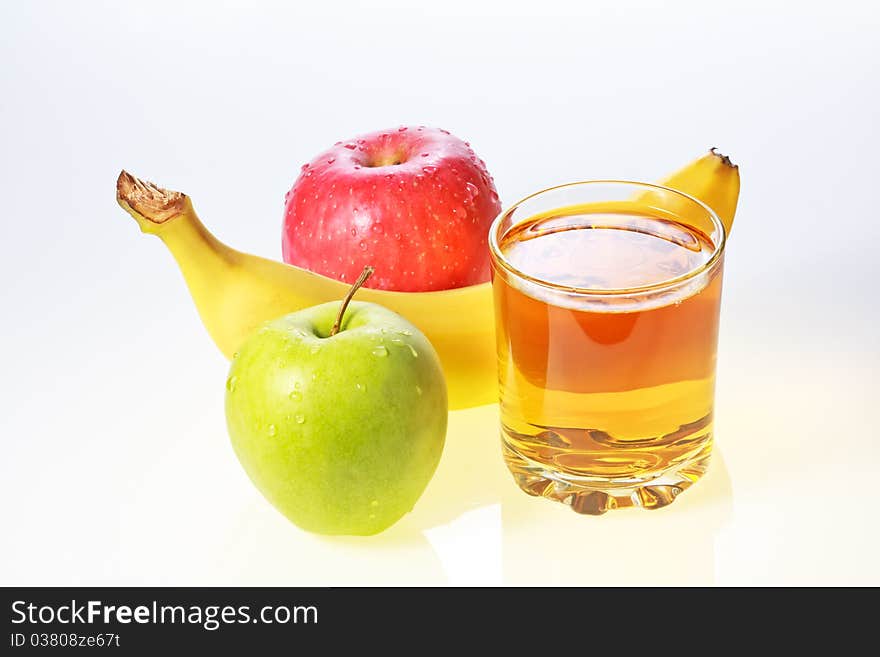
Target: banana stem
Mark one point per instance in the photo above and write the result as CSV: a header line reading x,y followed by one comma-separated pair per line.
x,y
148,203
365,274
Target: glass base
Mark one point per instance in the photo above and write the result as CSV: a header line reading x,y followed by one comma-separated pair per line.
x,y
596,495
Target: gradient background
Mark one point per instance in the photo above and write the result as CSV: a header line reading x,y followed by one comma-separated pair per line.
x,y
116,468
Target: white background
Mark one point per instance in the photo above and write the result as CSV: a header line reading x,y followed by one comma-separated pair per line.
x,y
116,468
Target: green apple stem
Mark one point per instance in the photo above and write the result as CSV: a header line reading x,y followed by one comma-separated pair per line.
x,y
365,274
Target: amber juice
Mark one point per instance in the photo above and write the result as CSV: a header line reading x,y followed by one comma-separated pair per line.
x,y
606,350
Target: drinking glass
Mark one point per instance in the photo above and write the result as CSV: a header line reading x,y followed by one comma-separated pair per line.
x,y
607,297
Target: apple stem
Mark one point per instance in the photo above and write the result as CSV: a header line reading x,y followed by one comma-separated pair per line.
x,y
365,274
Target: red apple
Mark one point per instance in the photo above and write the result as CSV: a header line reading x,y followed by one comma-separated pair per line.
x,y
414,202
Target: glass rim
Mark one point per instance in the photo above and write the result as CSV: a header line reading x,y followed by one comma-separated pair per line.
x,y
499,258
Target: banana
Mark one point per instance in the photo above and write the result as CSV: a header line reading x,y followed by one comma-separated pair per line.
x,y
712,179
235,292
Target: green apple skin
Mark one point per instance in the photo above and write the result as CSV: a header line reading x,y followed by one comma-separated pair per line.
x,y
341,434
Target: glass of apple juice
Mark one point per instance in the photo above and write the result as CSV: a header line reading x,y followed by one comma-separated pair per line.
x,y
607,296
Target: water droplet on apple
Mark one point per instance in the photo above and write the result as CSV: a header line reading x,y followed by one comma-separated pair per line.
x,y
472,190
425,154
354,231
351,147
363,245
295,395
374,503
419,391
331,160
300,418
356,166
272,430
495,196
396,340
413,351
429,170
402,128
405,332
380,350
235,355
361,387
230,383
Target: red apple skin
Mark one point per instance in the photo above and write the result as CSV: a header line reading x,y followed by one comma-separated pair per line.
x,y
414,202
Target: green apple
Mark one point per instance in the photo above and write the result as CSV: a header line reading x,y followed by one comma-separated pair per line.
x,y
341,433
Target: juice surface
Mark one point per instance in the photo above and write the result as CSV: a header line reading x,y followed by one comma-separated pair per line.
x,y
605,251
593,387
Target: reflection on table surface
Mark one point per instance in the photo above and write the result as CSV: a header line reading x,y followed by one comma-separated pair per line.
x,y
474,526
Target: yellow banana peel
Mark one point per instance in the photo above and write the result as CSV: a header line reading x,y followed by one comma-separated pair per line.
x,y
235,292
712,179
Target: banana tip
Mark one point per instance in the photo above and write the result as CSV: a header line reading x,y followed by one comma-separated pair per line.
x,y
726,160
